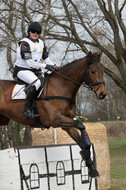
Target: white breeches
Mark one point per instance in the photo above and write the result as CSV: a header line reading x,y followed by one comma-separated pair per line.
x,y
28,77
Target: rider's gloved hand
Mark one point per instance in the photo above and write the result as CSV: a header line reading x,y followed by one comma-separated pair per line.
x,y
50,67
56,68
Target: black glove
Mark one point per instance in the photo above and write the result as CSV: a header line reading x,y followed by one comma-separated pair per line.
x,y
50,67
56,68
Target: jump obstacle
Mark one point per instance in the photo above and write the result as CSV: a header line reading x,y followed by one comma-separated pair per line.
x,y
58,167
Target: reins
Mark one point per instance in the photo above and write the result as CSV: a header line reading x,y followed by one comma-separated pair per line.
x,y
78,83
89,86
63,76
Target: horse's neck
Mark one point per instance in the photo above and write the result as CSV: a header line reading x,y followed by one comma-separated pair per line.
x,y
74,73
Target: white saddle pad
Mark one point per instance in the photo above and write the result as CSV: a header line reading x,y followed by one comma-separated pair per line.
x,y
18,92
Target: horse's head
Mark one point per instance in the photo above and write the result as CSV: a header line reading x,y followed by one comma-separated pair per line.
x,y
95,72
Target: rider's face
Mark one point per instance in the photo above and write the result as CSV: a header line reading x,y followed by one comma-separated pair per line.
x,y
34,35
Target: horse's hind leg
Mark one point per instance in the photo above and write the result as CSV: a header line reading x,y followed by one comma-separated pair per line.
x,y
4,120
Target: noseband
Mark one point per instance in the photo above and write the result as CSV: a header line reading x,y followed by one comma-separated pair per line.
x,y
95,84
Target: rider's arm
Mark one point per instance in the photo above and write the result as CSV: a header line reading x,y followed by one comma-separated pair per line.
x,y
45,53
25,50
39,64
45,57
35,64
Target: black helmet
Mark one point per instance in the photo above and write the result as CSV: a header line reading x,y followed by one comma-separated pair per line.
x,y
35,26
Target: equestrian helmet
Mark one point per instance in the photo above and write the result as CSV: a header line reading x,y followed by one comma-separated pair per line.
x,y
35,26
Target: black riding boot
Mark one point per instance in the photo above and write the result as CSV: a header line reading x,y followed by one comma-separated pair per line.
x,y
27,114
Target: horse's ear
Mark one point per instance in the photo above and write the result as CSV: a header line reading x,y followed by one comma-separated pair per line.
x,y
99,55
89,55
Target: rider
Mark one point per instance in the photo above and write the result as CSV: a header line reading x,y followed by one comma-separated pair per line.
x,y
30,53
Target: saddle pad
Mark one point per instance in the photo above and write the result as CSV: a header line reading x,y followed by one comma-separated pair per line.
x,y
18,92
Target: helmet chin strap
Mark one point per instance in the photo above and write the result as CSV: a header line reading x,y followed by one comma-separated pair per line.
x,y
32,38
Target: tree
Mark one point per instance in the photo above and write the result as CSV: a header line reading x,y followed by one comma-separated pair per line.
x,y
79,25
14,133
82,26
15,16
27,141
4,140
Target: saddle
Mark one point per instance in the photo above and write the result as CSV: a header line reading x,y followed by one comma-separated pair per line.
x,y
20,89
19,92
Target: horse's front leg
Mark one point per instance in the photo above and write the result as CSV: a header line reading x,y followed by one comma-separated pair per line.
x,y
71,127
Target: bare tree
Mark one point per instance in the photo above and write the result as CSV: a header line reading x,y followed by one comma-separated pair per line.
x,y
82,26
15,16
71,21
27,141
4,140
79,23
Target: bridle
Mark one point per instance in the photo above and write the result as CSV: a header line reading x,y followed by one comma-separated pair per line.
x,y
95,84
91,85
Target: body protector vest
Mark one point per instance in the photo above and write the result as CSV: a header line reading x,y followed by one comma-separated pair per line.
x,y
27,49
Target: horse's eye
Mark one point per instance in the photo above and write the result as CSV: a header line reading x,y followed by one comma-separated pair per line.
x,y
93,72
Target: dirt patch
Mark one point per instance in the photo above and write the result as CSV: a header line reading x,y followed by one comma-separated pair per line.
x,y
116,128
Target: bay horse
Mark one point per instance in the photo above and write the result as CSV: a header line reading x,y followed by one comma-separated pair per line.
x,y
56,105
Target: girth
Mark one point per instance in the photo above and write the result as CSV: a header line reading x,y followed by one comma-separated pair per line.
x,y
56,98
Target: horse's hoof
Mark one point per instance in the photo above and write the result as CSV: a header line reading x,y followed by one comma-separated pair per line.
x,y
92,169
85,154
93,173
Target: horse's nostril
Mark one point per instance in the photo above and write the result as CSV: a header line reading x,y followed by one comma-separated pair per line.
x,y
102,95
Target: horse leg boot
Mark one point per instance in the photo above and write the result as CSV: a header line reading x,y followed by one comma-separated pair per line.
x,y
85,153
27,114
71,127
89,163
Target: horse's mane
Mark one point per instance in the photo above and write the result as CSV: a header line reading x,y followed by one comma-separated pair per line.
x,y
89,60
69,64
94,58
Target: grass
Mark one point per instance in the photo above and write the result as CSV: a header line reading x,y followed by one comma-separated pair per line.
x,y
117,147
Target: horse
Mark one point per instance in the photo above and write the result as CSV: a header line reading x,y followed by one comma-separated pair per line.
x,y
56,105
